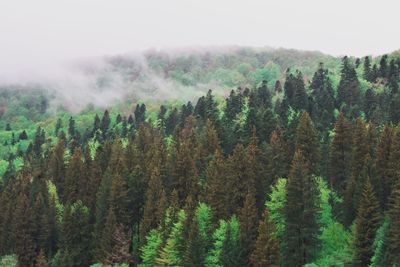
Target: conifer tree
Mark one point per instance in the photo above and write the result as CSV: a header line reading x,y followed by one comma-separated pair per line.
x,y
150,250
25,245
340,155
349,87
367,223
74,178
393,247
216,186
383,152
360,153
367,69
307,142
155,203
278,157
172,252
301,228
41,260
267,247
230,250
323,98
75,232
248,218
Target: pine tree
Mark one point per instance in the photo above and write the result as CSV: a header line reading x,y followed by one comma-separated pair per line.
x,y
340,155
301,228
267,247
367,223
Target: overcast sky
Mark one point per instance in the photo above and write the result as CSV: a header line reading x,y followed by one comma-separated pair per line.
x,y
36,33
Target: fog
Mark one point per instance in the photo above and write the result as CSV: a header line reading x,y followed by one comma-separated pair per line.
x,y
46,42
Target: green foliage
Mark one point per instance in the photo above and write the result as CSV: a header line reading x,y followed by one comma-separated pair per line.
x,y
380,245
172,253
276,204
149,251
213,258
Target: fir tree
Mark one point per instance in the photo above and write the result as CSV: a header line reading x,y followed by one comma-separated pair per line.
x,y
248,227
340,155
307,142
367,223
267,247
360,152
301,228
393,247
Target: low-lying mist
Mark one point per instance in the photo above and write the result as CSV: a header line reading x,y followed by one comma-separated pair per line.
x,y
103,81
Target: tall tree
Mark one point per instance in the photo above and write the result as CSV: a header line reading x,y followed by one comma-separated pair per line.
x,y
267,247
354,186
307,142
301,227
340,154
248,218
349,86
367,223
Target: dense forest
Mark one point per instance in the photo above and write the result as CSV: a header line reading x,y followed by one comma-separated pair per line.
x,y
297,164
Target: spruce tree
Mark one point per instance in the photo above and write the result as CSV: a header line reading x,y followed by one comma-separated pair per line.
x,y
307,142
75,239
267,247
155,203
278,155
354,186
383,153
248,218
367,223
301,227
393,247
340,155
349,86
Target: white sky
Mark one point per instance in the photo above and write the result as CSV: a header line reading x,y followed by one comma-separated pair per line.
x,y
39,32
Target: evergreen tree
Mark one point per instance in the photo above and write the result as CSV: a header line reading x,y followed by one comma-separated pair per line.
x,y
367,69
349,87
360,153
155,202
75,232
301,228
383,153
41,260
267,247
278,157
248,227
340,155
307,142
25,245
172,252
393,247
367,223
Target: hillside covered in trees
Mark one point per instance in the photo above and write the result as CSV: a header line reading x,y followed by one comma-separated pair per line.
x,y
292,160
